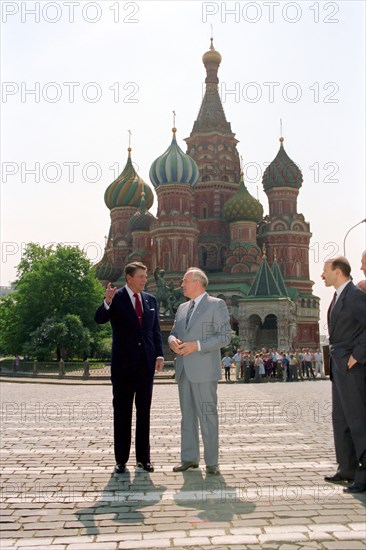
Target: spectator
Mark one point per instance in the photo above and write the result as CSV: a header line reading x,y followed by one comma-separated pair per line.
x,y
318,356
226,362
293,368
284,365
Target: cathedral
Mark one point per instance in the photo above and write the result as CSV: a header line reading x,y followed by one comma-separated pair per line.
x,y
206,217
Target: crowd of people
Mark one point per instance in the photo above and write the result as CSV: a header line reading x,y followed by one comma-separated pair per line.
x,y
305,364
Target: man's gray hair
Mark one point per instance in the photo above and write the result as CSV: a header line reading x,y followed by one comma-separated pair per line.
x,y
198,275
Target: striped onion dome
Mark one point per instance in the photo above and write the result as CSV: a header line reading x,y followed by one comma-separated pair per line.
x,y
282,172
126,189
141,220
174,166
243,206
105,271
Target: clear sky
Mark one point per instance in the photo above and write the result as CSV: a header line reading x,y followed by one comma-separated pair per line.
x,y
76,76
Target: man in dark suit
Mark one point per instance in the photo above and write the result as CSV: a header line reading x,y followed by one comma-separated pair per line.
x,y
347,342
201,328
136,353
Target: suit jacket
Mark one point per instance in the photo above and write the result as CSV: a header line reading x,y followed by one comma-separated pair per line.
x,y
347,326
128,335
210,325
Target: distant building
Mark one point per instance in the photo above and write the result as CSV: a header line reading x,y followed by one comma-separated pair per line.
x,y
4,290
206,217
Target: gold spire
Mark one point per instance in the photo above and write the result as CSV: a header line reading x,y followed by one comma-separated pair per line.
x,y
264,252
282,139
241,168
174,130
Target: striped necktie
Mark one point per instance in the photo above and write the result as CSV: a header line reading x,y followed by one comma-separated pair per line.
x,y
190,311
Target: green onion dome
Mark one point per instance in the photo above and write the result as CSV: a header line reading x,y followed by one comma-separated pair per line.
x,y
282,172
141,220
174,166
126,189
243,206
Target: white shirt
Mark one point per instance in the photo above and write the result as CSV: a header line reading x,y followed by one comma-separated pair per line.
x,y
340,289
131,295
197,301
133,300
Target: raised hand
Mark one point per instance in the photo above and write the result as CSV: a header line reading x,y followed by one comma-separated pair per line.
x,y
110,292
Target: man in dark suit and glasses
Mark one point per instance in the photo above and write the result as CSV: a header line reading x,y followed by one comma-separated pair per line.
x,y
347,343
136,353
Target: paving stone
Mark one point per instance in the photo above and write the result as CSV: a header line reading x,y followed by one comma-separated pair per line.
x,y
286,529
36,542
235,539
350,535
339,545
95,546
191,541
279,537
159,543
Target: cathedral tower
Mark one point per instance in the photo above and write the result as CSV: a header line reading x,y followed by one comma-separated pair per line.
x,y
286,235
212,145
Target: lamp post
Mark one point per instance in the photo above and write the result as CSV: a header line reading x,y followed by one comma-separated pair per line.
x,y
345,237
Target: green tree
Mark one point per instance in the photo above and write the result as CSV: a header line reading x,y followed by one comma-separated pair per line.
x,y
8,325
51,283
234,345
66,338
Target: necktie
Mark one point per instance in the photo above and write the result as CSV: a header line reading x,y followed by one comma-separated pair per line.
x,y
138,307
190,311
332,304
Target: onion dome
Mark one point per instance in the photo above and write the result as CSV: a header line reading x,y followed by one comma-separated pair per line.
x,y
174,166
105,271
211,55
243,206
282,172
126,189
141,220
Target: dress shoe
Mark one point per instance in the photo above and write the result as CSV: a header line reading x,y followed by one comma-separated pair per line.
x,y
119,468
337,478
185,465
147,466
213,470
355,488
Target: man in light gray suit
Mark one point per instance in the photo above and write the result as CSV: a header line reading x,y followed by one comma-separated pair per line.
x,y
200,329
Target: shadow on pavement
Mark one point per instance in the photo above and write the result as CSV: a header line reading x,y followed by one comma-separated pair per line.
x,y
122,497
212,497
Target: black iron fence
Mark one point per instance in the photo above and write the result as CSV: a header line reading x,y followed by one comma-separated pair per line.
x,y
86,370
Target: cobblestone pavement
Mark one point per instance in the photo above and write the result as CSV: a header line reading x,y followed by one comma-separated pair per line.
x,y
59,492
